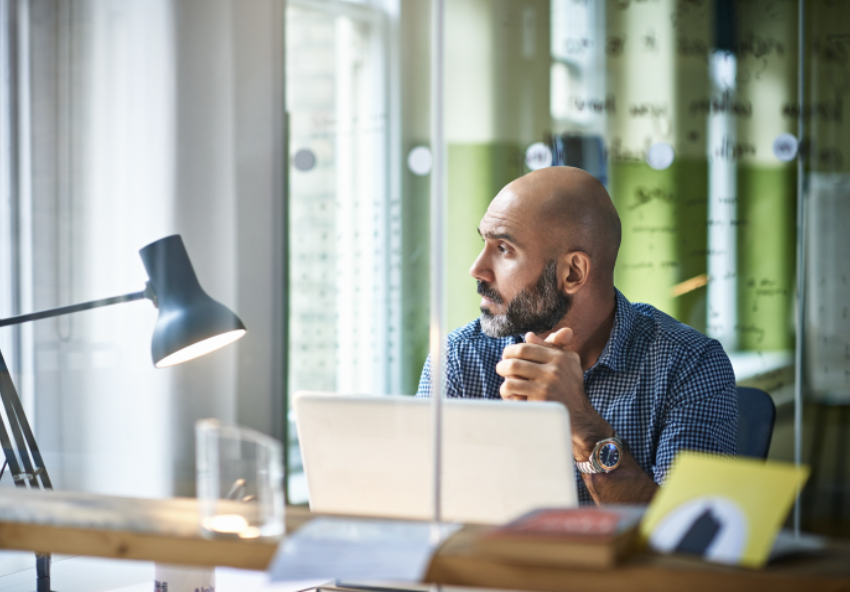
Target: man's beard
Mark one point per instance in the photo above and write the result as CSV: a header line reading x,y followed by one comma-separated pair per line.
x,y
537,308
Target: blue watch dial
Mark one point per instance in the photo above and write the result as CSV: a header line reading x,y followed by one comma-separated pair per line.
x,y
609,455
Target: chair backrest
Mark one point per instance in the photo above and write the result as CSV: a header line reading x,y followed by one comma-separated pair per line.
x,y
756,416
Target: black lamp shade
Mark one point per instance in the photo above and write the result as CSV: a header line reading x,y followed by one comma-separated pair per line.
x,y
190,323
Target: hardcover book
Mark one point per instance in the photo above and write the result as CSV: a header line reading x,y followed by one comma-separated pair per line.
x,y
584,537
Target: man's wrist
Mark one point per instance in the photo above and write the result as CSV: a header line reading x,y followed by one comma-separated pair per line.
x,y
585,447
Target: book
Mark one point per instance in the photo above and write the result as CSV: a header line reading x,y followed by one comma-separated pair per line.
x,y
565,537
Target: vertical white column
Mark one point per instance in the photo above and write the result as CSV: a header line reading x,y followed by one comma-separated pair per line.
x,y
26,379
438,209
722,310
7,185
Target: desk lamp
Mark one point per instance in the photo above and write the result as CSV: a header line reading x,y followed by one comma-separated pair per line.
x,y
190,324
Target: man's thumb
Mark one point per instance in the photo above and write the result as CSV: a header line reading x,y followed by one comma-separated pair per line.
x,y
561,337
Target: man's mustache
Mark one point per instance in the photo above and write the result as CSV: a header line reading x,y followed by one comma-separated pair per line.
x,y
486,290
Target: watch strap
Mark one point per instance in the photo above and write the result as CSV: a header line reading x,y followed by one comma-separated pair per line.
x,y
587,468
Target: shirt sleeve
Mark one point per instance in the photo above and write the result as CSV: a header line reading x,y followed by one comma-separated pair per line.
x,y
424,389
703,414
453,377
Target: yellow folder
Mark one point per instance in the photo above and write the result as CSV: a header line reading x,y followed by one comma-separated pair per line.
x,y
726,509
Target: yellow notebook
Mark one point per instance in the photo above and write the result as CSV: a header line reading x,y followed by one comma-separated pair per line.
x,y
727,510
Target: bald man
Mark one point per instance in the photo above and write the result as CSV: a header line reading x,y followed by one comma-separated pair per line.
x,y
639,386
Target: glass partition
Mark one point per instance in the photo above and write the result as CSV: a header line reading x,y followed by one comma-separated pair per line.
x,y
692,116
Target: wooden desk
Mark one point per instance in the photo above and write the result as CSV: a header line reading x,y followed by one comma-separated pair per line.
x,y
167,531
457,564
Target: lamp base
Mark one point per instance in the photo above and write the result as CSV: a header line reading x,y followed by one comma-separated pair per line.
x,y
42,573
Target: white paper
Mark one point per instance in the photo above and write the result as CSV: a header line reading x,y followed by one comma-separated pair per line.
x,y
357,549
229,579
787,544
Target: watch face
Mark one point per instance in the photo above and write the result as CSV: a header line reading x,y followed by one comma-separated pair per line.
x,y
609,455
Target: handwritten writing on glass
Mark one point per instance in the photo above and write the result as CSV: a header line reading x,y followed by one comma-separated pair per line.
x,y
723,103
831,49
650,41
730,149
618,153
644,195
648,110
606,105
615,45
692,48
757,46
828,110
576,45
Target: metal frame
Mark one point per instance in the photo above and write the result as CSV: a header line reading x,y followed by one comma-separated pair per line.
x,y
801,262
63,310
31,467
438,254
34,472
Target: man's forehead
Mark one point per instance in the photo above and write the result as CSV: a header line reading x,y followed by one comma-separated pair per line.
x,y
496,221
508,224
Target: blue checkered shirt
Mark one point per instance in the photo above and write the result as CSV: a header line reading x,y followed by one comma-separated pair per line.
x,y
662,385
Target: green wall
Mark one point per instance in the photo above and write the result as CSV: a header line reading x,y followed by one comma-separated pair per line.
x,y
476,173
766,256
415,278
664,217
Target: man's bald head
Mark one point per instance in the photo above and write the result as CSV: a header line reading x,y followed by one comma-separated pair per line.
x,y
572,211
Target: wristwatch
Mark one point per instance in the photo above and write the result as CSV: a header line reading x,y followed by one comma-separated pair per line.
x,y
605,457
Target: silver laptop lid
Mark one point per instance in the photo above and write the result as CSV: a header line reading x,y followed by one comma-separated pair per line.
x,y
372,455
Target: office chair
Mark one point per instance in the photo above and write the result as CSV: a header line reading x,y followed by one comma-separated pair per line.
x,y
756,416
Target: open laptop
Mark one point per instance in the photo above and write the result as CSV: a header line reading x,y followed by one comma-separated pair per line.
x,y
372,455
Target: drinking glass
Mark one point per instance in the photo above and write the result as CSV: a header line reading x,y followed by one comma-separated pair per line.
x,y
239,481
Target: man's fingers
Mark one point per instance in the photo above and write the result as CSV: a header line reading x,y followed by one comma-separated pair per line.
x,y
528,351
508,395
561,338
517,368
518,389
534,339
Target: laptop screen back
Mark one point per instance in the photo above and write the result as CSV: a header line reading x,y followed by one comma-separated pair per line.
x,y
367,455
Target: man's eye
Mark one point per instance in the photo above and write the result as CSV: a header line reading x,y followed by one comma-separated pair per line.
x,y
502,249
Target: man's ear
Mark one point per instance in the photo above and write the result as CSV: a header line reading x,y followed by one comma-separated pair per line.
x,y
575,271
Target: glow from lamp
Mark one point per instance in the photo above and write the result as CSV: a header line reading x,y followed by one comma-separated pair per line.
x,y
196,350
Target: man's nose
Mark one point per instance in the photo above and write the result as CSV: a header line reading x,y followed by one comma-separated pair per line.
x,y
480,270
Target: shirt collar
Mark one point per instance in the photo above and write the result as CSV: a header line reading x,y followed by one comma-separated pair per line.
x,y
624,320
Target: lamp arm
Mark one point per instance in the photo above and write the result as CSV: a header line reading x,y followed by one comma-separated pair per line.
x,y
62,310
